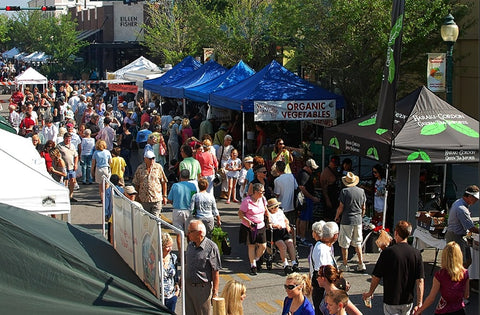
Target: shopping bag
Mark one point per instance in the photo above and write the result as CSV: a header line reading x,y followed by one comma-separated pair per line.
x,y
222,240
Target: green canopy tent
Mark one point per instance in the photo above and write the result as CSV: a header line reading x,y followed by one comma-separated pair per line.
x,y
5,125
52,267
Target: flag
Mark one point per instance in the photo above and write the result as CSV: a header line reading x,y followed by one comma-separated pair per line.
x,y
388,90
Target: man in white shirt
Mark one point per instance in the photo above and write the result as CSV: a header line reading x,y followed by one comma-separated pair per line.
x,y
49,130
284,189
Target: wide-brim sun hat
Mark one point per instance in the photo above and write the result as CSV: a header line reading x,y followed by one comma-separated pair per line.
x,y
350,179
273,202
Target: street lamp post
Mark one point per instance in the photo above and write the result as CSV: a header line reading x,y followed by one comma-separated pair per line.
x,y
449,32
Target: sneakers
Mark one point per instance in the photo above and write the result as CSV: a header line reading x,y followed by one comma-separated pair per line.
x,y
295,268
76,187
253,271
73,200
361,267
344,268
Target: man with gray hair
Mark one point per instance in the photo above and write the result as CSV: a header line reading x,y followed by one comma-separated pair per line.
x,y
180,196
326,234
202,270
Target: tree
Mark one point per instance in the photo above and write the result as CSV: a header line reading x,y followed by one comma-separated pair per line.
x,y
55,36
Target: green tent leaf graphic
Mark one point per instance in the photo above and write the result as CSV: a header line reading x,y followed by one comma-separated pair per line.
x,y
391,67
375,153
424,156
368,122
372,153
334,143
369,151
464,129
381,131
433,129
413,156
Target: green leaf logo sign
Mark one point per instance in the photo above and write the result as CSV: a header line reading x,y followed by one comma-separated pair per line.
x,y
438,127
334,143
419,154
381,131
463,129
394,33
368,122
372,153
433,129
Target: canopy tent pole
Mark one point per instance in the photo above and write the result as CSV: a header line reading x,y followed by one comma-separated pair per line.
x,y
384,219
184,103
243,135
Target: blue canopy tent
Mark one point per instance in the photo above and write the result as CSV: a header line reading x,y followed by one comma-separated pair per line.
x,y
272,83
237,73
180,70
205,73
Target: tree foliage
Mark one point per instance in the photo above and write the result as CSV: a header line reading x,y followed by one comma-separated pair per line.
x,y
343,42
32,31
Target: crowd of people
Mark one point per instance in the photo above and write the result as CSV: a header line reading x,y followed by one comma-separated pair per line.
x,y
85,135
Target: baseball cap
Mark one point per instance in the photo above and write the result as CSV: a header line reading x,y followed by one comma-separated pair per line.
x,y
149,154
130,190
311,163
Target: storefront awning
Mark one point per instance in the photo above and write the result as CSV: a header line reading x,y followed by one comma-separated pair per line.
x,y
87,33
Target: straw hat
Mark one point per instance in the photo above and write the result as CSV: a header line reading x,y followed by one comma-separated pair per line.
x,y
350,179
273,202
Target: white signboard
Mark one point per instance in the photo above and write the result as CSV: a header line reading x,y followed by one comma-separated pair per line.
x,y
123,241
128,20
294,110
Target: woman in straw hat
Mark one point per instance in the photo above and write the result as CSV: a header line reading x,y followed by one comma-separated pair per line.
x,y
282,235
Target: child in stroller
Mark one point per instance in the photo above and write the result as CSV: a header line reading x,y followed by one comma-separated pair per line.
x,y
280,238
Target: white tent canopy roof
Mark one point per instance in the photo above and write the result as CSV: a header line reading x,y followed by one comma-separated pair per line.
x,y
30,76
140,63
26,183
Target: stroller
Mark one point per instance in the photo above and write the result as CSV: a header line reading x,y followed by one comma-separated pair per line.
x,y
272,253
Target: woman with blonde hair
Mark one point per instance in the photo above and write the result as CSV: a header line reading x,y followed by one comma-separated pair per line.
x,y
186,130
169,264
452,283
234,293
101,160
298,287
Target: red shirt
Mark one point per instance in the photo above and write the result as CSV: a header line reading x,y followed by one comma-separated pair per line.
x,y
208,163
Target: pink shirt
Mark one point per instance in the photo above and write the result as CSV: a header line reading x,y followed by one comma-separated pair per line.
x,y
254,211
208,163
452,292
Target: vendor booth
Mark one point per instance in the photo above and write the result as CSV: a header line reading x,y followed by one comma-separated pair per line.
x,y
25,182
187,65
52,267
426,129
237,73
31,76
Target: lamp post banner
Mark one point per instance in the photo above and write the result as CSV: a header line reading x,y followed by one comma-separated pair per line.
x,y
294,110
436,72
388,89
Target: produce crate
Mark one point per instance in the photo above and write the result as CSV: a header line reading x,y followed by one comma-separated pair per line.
x,y
433,221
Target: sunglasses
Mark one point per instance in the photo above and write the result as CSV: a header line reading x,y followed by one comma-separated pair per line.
x,y
290,286
264,172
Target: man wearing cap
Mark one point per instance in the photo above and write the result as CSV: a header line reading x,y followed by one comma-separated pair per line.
x,y
151,183
220,135
460,222
328,182
349,215
131,194
305,185
70,156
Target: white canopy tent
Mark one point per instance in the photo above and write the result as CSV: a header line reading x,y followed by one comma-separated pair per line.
x,y
138,76
141,63
25,181
31,76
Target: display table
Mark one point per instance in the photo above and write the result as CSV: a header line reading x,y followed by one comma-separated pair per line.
x,y
423,239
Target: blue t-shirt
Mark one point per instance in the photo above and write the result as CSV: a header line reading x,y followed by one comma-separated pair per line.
x,y
142,135
181,194
305,309
459,220
102,158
